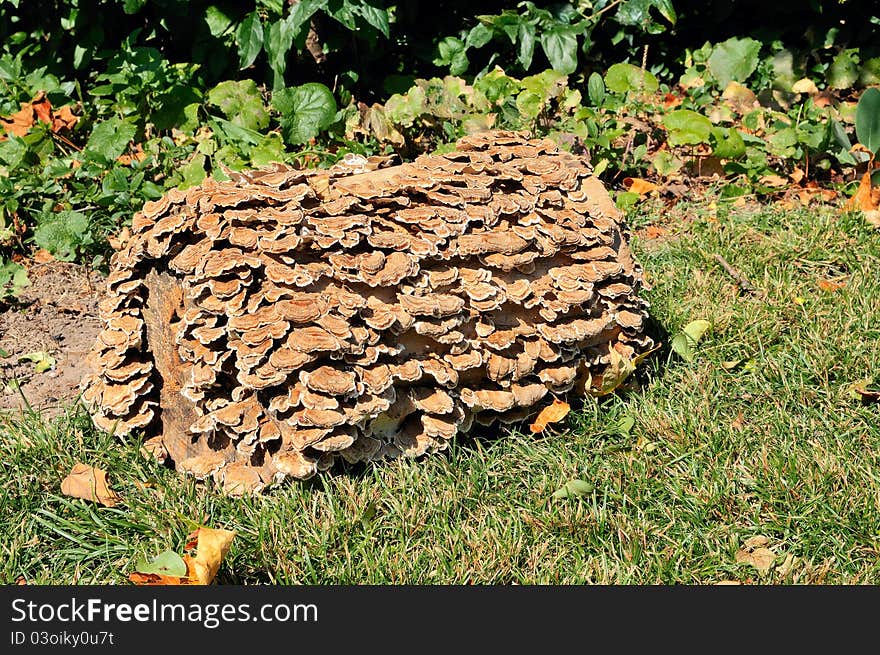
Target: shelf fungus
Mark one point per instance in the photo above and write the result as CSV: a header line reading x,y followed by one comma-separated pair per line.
x,y
270,325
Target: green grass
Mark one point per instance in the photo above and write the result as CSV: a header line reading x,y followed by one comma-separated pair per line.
x,y
775,447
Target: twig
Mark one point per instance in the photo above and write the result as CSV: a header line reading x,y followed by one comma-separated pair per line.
x,y
741,280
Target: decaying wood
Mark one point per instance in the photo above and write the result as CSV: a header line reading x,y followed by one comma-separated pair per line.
x,y
267,326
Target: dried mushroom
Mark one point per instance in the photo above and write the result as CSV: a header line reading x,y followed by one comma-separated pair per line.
x,y
264,327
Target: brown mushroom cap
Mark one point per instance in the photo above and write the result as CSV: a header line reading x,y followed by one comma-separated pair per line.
x,y
271,324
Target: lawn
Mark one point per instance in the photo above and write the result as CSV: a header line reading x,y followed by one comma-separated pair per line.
x,y
759,443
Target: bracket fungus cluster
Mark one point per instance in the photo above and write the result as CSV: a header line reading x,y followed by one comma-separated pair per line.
x,y
266,326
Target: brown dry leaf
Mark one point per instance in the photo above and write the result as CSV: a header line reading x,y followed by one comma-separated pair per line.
x,y
774,181
868,396
721,583
43,256
655,232
19,123
155,579
805,85
873,217
64,119
42,107
797,175
89,483
550,414
864,198
638,185
740,98
211,547
671,100
739,422
755,552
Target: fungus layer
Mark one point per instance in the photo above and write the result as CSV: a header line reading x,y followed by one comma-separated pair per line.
x,y
269,325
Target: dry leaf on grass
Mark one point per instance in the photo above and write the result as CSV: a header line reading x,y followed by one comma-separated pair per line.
x,y
638,185
89,483
550,414
755,552
211,547
834,284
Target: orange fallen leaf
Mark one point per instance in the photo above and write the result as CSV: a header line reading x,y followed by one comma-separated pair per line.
x,y
211,547
42,107
833,285
655,232
89,483
19,123
550,414
864,198
64,119
638,185
137,155
671,100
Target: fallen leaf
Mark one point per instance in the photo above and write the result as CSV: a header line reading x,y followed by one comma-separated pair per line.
x,y
756,541
864,196
19,123
154,579
42,360
865,390
167,563
550,414
573,489
683,343
638,185
42,108
64,119
89,483
137,154
739,422
670,100
834,284
805,85
43,256
761,558
740,98
773,181
797,175
727,582
619,368
211,547
655,232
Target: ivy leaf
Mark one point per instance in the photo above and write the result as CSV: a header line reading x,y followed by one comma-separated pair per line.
x,y
686,127
734,60
305,111
249,38
110,138
241,103
560,46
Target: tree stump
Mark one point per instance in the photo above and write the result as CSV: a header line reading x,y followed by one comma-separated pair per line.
x,y
266,326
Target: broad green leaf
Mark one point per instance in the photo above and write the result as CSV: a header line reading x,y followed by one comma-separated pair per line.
x,y
683,343
574,489
373,16
727,143
623,426
110,138
870,73
560,46
638,12
734,60
193,172
452,53
241,103
496,86
625,78
526,45
596,89
133,6
529,104
12,152
687,127
167,563
844,69
479,36
305,111
270,149
868,120
249,38
63,234
218,22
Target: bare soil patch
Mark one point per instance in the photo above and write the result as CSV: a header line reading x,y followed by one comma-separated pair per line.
x,y
58,314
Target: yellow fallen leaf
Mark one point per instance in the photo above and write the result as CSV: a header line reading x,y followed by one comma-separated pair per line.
x,y
551,414
211,547
761,558
89,483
